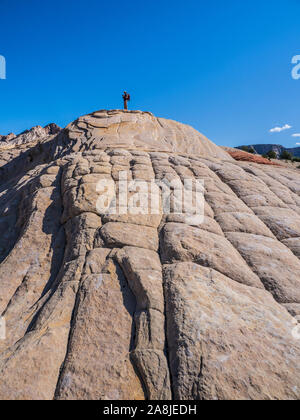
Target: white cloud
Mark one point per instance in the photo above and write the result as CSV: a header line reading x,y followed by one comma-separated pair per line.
x,y
279,129
296,135
297,144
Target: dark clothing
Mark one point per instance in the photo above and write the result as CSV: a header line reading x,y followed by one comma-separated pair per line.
x,y
126,98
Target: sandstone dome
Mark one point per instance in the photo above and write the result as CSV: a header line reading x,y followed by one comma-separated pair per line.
x,y
146,306
141,131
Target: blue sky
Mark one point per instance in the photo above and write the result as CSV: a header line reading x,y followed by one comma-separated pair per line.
x,y
222,66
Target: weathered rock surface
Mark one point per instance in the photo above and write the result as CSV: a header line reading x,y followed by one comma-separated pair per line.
x,y
226,340
135,306
29,136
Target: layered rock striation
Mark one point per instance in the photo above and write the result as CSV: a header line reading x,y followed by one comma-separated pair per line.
x,y
146,306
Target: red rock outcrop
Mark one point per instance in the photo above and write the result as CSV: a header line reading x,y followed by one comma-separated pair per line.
x,y
249,157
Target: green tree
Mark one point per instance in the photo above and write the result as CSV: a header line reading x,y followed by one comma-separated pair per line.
x,y
285,155
245,149
271,154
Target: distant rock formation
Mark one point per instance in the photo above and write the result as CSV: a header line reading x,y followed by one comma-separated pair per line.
x,y
263,149
7,138
29,136
145,306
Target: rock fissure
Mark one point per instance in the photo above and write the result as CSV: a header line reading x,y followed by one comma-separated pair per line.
x,y
135,306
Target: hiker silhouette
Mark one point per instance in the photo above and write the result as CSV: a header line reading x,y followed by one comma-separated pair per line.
x,y
126,98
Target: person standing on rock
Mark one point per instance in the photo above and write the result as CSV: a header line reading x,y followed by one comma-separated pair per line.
x,y
126,98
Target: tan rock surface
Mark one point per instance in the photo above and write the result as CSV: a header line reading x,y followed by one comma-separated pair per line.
x,y
119,129
221,338
155,306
